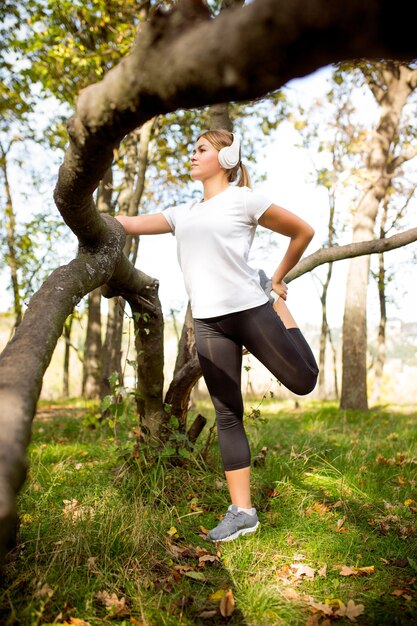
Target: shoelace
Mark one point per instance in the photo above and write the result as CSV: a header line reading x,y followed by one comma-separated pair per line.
x,y
230,515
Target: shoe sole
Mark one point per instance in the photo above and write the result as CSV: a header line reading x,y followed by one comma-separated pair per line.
x,y
242,531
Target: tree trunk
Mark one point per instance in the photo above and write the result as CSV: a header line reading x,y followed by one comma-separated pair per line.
x,y
11,242
381,340
149,341
67,339
324,333
92,369
91,384
187,371
111,354
381,349
334,354
392,96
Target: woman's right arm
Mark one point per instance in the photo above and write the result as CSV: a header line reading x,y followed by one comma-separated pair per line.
x,y
155,224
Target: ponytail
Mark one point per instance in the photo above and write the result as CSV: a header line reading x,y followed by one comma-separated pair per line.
x,y
244,178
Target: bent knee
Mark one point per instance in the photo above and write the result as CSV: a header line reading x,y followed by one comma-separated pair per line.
x,y
305,385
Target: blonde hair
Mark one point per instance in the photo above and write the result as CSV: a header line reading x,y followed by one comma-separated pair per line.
x,y
220,139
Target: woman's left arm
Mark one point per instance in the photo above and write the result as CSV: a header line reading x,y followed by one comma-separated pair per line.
x,y
286,223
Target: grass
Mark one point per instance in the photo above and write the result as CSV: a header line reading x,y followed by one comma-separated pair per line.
x,y
103,546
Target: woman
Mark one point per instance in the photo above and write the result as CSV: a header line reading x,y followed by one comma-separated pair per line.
x,y
230,307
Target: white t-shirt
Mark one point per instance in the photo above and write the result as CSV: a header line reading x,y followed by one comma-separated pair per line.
x,y
213,242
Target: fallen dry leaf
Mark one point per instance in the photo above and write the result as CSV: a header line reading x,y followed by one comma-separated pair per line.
x,y
44,592
404,593
208,558
227,604
92,565
302,570
323,608
284,573
208,614
351,610
318,507
183,568
356,571
180,551
75,621
113,604
75,511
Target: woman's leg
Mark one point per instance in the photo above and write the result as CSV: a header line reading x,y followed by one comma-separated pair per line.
x,y
221,363
238,483
284,351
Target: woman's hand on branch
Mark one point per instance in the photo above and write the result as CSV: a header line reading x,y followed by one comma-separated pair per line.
x,y
280,288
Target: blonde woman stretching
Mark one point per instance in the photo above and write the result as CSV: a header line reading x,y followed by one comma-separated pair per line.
x,y
234,305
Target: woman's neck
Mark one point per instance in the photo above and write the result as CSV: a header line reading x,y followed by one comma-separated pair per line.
x,y
213,186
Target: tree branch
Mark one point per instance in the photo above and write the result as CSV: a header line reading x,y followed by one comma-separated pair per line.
x,y
400,159
338,253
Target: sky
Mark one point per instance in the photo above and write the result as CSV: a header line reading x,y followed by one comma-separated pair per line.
x,y
287,168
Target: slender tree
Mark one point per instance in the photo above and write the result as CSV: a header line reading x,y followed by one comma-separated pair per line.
x,y
391,83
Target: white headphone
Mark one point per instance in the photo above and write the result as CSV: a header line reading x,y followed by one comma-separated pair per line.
x,y
229,156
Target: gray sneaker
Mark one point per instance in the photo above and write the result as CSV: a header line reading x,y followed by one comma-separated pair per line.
x,y
266,284
234,524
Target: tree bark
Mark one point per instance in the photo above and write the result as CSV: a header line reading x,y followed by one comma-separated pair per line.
x,y
187,371
324,333
111,354
91,384
381,340
397,83
93,356
149,341
67,348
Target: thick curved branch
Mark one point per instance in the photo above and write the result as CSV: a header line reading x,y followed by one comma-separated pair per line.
x,y
338,253
24,360
242,54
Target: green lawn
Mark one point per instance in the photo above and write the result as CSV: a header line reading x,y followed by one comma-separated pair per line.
x,y
108,540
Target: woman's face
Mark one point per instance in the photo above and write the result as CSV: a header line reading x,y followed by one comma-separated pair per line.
x,y
204,161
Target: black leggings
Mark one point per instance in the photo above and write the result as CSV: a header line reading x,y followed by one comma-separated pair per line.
x,y
283,351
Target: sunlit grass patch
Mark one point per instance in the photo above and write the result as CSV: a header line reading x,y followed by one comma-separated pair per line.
x,y
336,497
